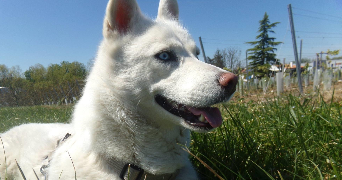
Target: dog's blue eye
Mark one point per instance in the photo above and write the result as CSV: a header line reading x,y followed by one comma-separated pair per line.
x,y
166,56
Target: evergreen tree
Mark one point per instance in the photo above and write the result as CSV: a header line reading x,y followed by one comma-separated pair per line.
x,y
262,54
218,59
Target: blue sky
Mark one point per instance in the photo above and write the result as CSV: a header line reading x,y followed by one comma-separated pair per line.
x,y
48,32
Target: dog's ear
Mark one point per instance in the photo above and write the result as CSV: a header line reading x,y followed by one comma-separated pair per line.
x,y
119,16
168,9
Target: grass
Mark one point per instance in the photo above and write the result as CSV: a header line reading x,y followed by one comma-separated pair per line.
x,y
14,116
286,138
283,138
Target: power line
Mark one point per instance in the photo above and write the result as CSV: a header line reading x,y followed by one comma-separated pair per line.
x,y
221,43
316,17
323,45
322,37
287,30
302,53
317,32
212,39
318,13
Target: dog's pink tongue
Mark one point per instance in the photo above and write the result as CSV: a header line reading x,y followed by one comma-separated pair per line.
x,y
212,115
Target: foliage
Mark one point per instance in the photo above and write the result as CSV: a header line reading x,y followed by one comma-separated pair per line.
x,y
332,53
338,57
40,84
36,73
228,58
3,71
289,138
264,48
306,69
13,72
263,69
55,73
232,58
12,80
306,60
218,59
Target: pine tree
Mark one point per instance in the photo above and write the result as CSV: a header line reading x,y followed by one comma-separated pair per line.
x,y
262,54
218,59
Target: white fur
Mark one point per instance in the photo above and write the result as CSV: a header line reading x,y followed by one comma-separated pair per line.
x,y
117,116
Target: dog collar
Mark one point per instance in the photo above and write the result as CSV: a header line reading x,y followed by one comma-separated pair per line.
x,y
132,172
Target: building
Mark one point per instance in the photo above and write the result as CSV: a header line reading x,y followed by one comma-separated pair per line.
x,y
291,68
333,63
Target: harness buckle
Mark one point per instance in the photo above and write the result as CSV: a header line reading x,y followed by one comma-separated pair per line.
x,y
131,172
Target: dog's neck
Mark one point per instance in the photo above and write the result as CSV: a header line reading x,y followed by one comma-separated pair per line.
x,y
121,134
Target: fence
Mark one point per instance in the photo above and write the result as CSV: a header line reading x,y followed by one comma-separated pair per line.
x,y
282,83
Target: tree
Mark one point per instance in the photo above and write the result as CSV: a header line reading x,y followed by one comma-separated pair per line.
x,y
11,79
38,82
218,59
36,73
306,60
66,72
3,72
55,73
228,58
339,57
231,56
76,70
15,71
262,54
332,53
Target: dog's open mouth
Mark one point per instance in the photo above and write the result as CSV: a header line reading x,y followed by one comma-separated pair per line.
x,y
204,117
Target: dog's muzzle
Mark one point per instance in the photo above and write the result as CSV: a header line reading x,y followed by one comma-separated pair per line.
x,y
202,117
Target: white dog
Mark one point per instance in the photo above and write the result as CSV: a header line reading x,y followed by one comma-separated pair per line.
x,y
147,89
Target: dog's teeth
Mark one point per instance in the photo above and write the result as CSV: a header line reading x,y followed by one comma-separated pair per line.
x,y
202,119
174,104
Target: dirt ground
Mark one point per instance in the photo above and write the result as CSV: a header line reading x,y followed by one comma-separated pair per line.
x,y
337,92
258,95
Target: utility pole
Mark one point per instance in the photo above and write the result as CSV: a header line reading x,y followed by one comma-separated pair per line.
x,y
300,53
247,71
315,84
317,59
320,59
205,57
295,50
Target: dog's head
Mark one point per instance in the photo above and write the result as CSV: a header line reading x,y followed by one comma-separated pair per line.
x,y
152,66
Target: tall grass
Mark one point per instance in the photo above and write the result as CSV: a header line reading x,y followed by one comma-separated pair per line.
x,y
286,138
14,116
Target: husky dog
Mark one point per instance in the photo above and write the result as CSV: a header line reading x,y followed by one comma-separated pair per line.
x,y
145,93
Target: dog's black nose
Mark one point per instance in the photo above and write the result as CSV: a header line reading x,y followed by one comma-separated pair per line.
x,y
228,81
